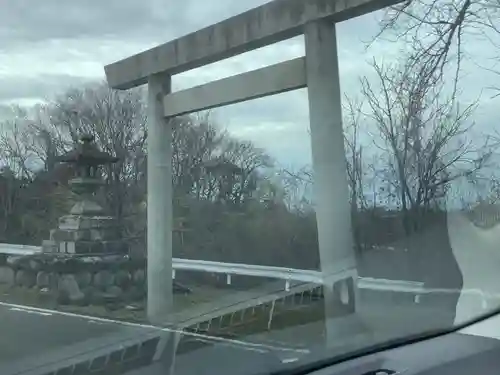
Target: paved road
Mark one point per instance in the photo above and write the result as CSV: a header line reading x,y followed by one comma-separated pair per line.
x,y
26,333
223,358
30,337
282,346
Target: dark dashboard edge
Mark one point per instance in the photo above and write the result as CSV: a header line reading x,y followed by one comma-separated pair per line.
x,y
390,344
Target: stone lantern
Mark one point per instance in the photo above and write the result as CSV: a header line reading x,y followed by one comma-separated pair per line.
x,y
87,230
87,160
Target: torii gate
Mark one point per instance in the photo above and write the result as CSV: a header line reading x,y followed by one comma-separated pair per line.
x,y
317,70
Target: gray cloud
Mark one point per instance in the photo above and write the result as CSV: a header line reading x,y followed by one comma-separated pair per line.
x,y
12,87
55,44
23,22
72,38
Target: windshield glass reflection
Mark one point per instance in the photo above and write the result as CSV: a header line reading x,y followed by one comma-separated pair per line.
x,y
287,181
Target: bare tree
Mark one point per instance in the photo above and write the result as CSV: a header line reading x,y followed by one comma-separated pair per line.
x,y
30,143
15,150
118,122
354,154
303,178
436,31
297,186
356,173
196,141
423,136
298,183
247,163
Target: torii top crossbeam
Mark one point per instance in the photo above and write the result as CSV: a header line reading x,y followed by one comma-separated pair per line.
x,y
270,23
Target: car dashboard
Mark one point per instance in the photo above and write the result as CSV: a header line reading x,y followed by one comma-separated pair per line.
x,y
474,350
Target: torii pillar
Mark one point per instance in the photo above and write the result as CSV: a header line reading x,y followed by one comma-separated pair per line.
x,y
331,190
160,193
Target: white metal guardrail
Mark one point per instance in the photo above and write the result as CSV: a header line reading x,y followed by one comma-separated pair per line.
x,y
10,249
283,273
290,275
391,285
287,274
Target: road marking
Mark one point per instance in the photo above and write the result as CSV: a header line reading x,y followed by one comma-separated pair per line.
x,y
289,360
31,311
277,343
94,322
162,329
207,341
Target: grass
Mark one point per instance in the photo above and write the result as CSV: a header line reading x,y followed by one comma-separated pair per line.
x,y
122,312
257,321
284,316
33,298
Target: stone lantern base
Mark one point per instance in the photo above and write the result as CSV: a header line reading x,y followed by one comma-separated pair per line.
x,y
86,235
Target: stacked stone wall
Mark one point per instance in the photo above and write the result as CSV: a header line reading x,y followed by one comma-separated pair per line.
x,y
77,280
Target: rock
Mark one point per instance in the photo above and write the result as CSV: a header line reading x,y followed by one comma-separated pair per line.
x,y
181,289
123,278
53,280
85,301
35,265
114,292
110,262
137,262
69,286
70,266
111,296
139,277
89,292
43,280
84,279
135,293
45,296
96,298
134,307
62,297
7,275
103,279
113,306
25,278
14,260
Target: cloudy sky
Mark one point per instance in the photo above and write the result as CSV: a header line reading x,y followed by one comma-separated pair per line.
x,y
47,46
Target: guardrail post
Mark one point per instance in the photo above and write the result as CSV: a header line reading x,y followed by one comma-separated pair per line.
x,y
271,312
331,190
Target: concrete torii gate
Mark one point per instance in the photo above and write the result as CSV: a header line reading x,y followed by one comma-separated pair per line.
x,y
317,70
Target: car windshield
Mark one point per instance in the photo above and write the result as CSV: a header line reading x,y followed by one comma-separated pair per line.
x,y
236,186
